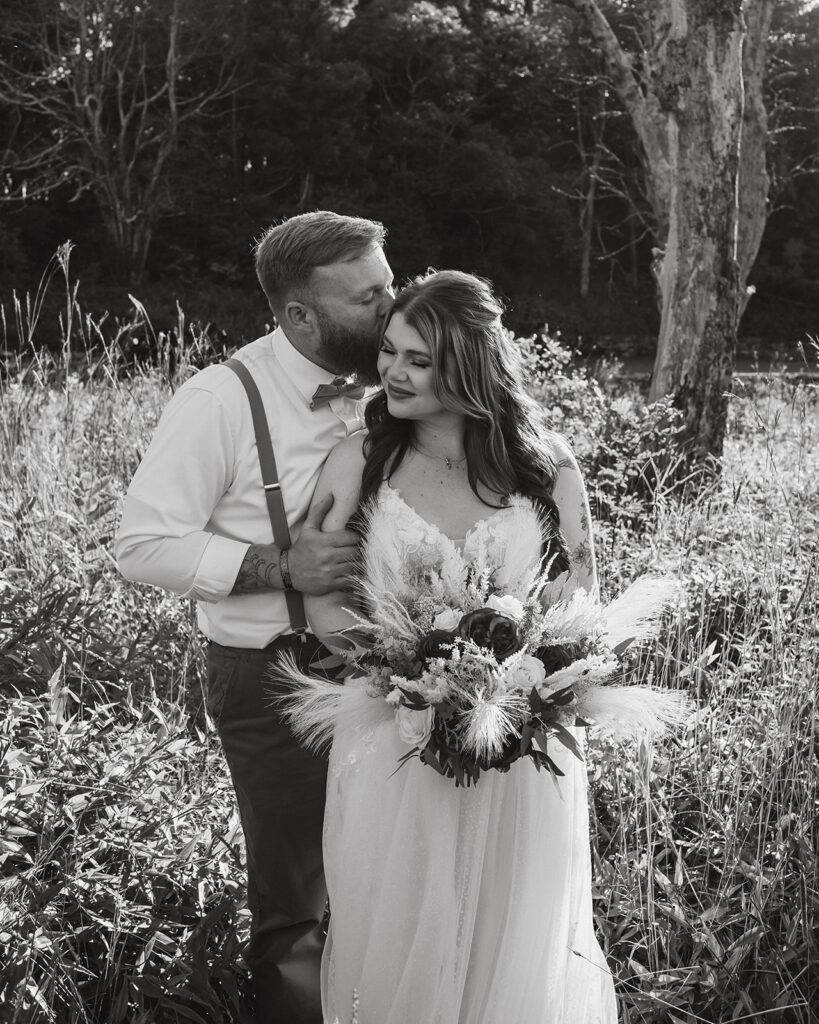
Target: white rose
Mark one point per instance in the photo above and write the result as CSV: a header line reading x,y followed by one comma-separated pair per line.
x,y
448,619
414,727
528,672
506,605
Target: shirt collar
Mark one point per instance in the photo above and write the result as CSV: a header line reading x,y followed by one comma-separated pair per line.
x,y
304,374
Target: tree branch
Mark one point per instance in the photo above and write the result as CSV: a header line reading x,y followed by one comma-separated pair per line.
x,y
618,62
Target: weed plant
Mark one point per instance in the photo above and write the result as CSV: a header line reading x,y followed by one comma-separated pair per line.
x,y
121,862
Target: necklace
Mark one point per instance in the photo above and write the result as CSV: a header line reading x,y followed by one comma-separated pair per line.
x,y
447,461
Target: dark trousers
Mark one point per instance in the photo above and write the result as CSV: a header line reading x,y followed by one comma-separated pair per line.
x,y
280,792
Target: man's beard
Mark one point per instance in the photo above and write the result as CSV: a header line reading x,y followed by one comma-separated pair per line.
x,y
349,352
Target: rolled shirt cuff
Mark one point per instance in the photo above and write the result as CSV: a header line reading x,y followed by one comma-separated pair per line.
x,y
218,568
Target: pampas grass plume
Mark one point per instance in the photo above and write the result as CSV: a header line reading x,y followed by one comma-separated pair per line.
x,y
315,708
626,710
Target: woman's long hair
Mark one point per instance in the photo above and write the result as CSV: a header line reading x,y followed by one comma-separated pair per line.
x,y
476,372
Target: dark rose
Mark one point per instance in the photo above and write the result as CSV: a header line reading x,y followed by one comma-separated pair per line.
x,y
489,628
557,656
437,644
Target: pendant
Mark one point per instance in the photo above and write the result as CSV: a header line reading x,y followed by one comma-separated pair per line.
x,y
448,462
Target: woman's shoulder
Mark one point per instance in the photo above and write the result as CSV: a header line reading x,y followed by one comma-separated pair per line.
x,y
562,452
347,456
341,477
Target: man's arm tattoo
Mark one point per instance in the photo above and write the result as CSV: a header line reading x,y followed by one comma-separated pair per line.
x,y
259,570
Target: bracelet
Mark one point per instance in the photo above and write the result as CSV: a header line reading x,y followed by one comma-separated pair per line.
x,y
284,569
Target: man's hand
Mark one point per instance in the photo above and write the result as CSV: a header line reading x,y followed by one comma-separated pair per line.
x,y
319,562
322,562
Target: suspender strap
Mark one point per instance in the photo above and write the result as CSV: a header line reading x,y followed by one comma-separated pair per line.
x,y
272,487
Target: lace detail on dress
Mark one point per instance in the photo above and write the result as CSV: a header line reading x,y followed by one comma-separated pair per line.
x,y
351,761
506,540
423,540
420,540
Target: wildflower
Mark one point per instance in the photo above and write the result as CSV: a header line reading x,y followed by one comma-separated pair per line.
x,y
490,721
506,605
447,619
436,644
488,628
528,672
414,727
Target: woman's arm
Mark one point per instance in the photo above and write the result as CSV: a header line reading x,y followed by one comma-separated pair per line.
x,y
340,477
575,519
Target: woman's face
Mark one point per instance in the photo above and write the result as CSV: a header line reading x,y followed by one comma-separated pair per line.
x,y
405,369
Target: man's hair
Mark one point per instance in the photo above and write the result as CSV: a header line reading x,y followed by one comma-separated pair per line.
x,y
288,253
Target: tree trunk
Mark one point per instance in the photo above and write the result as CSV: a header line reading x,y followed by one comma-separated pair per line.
x,y
754,182
690,112
698,273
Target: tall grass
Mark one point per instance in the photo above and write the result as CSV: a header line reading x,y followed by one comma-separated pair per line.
x,y
120,852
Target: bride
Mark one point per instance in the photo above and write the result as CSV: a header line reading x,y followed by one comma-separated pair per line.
x,y
453,905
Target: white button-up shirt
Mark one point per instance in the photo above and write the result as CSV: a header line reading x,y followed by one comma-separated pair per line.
x,y
196,502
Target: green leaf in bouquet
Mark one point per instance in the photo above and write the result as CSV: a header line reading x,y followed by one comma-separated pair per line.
x,y
352,643
414,701
428,756
542,760
338,642
417,704
527,733
541,739
329,663
416,751
360,636
562,697
444,710
457,769
568,740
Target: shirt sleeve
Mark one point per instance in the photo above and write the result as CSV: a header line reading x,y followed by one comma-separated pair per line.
x,y
575,518
189,465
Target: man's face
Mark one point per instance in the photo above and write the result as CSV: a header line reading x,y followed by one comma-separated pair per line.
x,y
352,300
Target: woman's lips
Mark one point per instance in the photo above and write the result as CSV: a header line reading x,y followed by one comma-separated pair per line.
x,y
395,392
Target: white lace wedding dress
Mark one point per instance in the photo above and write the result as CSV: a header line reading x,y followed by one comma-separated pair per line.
x,y
457,906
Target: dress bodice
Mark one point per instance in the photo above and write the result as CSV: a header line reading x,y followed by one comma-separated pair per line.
x,y
507,541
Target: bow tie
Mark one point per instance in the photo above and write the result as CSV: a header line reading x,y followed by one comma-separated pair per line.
x,y
338,388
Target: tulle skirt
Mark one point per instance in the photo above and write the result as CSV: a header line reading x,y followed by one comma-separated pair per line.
x,y
457,906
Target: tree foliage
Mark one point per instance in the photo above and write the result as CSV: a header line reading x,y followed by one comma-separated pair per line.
x,y
486,135
99,93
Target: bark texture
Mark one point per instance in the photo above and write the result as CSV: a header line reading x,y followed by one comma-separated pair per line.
x,y
698,79
694,96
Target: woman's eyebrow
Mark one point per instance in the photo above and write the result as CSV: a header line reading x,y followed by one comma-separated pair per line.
x,y
409,351
406,351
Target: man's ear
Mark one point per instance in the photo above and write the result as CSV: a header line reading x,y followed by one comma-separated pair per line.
x,y
299,316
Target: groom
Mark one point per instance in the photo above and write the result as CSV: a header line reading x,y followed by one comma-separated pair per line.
x,y
196,522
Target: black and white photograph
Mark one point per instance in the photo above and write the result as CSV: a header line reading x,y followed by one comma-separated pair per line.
x,y
409,511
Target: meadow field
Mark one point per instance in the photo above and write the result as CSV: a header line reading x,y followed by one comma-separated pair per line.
x,y
121,871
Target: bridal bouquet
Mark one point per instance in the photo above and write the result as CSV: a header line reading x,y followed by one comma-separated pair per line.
x,y
477,676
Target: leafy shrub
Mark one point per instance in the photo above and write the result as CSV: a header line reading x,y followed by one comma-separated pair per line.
x,y
625,445
119,901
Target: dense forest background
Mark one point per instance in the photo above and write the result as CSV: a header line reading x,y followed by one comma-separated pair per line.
x,y
484,135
